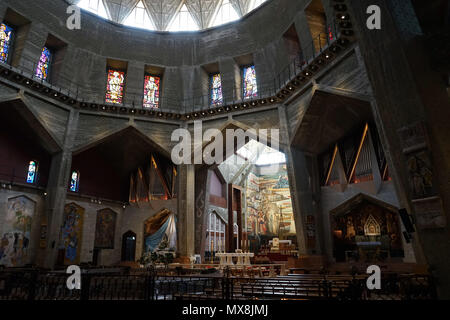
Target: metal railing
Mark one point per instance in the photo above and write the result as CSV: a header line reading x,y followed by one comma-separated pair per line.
x,y
62,84
31,284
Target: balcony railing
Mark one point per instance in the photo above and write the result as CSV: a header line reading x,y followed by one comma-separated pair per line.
x,y
64,87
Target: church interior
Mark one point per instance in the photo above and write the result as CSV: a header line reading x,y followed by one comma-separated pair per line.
x,y
344,164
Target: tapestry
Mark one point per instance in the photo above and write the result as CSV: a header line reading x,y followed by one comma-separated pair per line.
x,y
71,233
16,229
269,206
105,229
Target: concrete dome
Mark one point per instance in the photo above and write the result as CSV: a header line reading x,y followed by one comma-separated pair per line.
x,y
161,13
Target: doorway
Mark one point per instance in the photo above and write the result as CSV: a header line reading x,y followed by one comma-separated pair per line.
x,y
129,246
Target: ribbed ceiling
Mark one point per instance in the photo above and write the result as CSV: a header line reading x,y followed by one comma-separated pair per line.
x,y
161,12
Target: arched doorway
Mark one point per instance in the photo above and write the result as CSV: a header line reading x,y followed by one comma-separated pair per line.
x,y
129,246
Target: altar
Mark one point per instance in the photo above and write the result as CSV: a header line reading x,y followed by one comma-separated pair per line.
x,y
243,258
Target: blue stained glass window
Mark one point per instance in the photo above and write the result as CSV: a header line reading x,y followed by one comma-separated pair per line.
x,y
6,34
74,181
216,89
32,171
43,66
249,82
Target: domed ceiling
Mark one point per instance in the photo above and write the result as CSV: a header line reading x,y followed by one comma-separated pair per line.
x,y
162,15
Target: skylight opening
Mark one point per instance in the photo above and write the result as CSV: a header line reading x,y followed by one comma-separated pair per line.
x,y
183,21
260,154
94,6
225,14
139,18
256,3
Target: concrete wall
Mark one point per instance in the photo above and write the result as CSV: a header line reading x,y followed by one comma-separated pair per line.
x,y
182,55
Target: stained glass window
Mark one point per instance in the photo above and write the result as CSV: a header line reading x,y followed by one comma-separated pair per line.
x,y
74,181
32,170
114,87
6,33
43,66
216,89
151,91
249,79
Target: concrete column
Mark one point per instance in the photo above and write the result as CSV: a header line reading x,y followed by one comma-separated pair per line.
x,y
304,35
231,80
32,48
3,8
57,191
171,91
408,93
134,88
186,211
297,174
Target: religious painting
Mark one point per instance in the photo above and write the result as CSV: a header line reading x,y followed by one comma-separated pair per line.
x,y
249,82
151,91
115,86
269,205
71,233
105,229
43,67
366,231
16,232
6,33
420,175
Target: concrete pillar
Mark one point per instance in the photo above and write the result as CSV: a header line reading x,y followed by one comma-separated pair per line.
x,y
186,211
32,48
134,89
57,191
297,174
231,80
171,91
304,35
408,93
